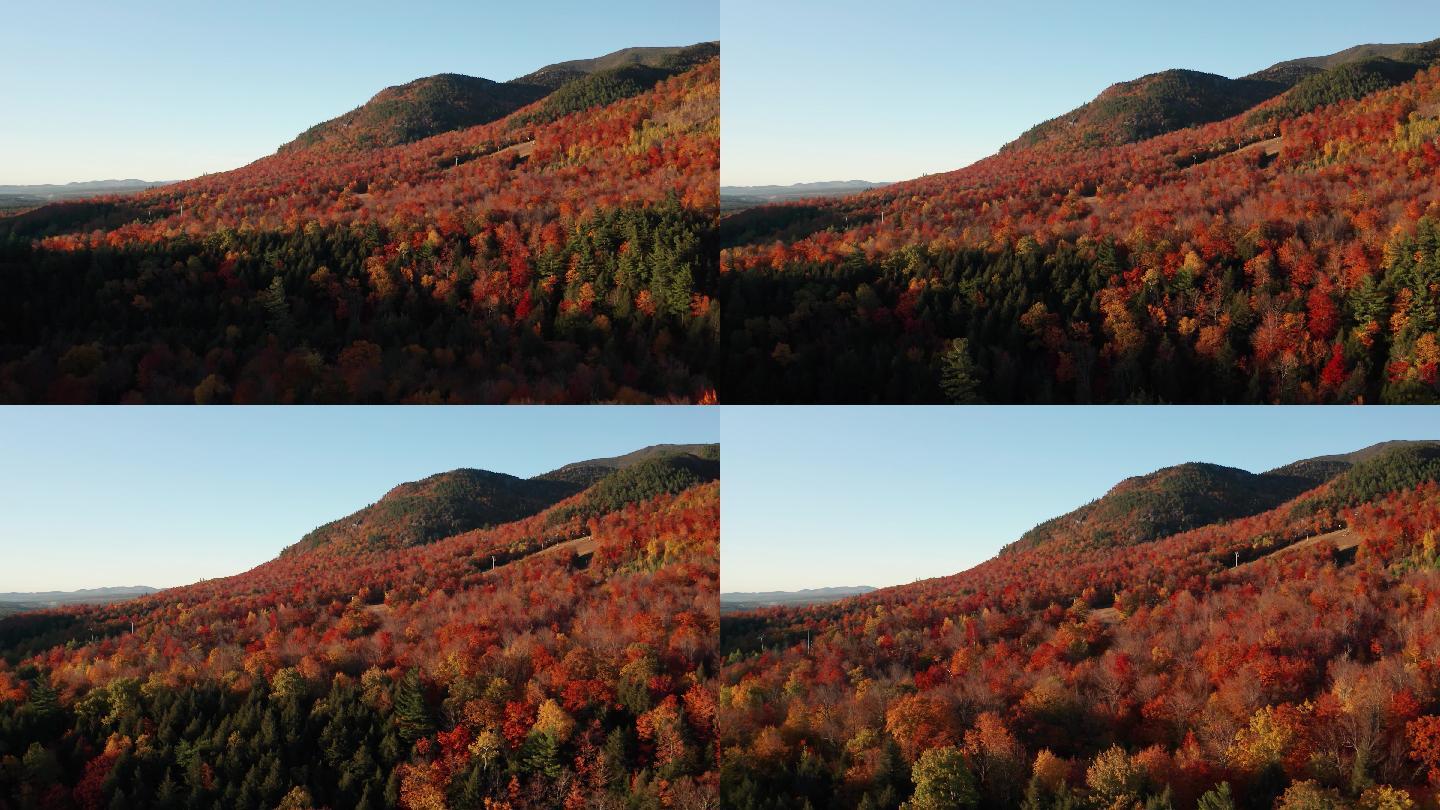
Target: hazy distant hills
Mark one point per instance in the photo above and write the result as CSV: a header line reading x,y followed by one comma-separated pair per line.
x,y
738,197
1169,100
812,596
20,602
84,187
19,197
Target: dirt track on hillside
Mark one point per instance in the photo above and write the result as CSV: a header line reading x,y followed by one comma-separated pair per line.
x,y
1341,539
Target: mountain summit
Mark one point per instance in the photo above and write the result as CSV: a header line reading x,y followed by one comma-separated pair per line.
x,y
450,503
449,101
1176,99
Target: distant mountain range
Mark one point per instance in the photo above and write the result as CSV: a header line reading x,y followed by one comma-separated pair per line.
x,y
21,602
812,596
83,188
22,197
737,197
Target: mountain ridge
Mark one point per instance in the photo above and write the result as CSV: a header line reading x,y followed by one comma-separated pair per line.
x,y
444,102
1179,98
466,499
1182,496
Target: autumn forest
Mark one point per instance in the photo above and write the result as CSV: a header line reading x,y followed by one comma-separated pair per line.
x,y
326,608
548,239
1182,238
1198,637
470,640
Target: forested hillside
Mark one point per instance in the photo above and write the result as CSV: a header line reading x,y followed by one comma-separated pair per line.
x,y
562,660
562,253
1284,250
1285,659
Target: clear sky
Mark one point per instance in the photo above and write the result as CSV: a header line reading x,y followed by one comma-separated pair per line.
x,y
881,496
170,89
104,496
863,90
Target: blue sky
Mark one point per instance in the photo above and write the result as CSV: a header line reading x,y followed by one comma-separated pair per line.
x,y
855,89
885,495
102,496
169,89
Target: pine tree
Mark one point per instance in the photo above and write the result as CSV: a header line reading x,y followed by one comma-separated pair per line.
x,y
412,716
959,377
1217,799
168,794
44,701
541,755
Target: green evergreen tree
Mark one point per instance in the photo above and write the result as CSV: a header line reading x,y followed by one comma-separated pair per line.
x,y
1218,798
167,796
412,716
959,376
541,755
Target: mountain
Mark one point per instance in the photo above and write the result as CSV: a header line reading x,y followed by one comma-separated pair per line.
x,y
1177,99
563,253
82,596
19,198
560,73
558,655
586,89
1172,500
1140,509
1149,106
589,471
418,109
823,188
1226,664
84,188
1322,468
1271,253
449,101
451,503
1296,69
440,506
11,603
740,600
739,197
